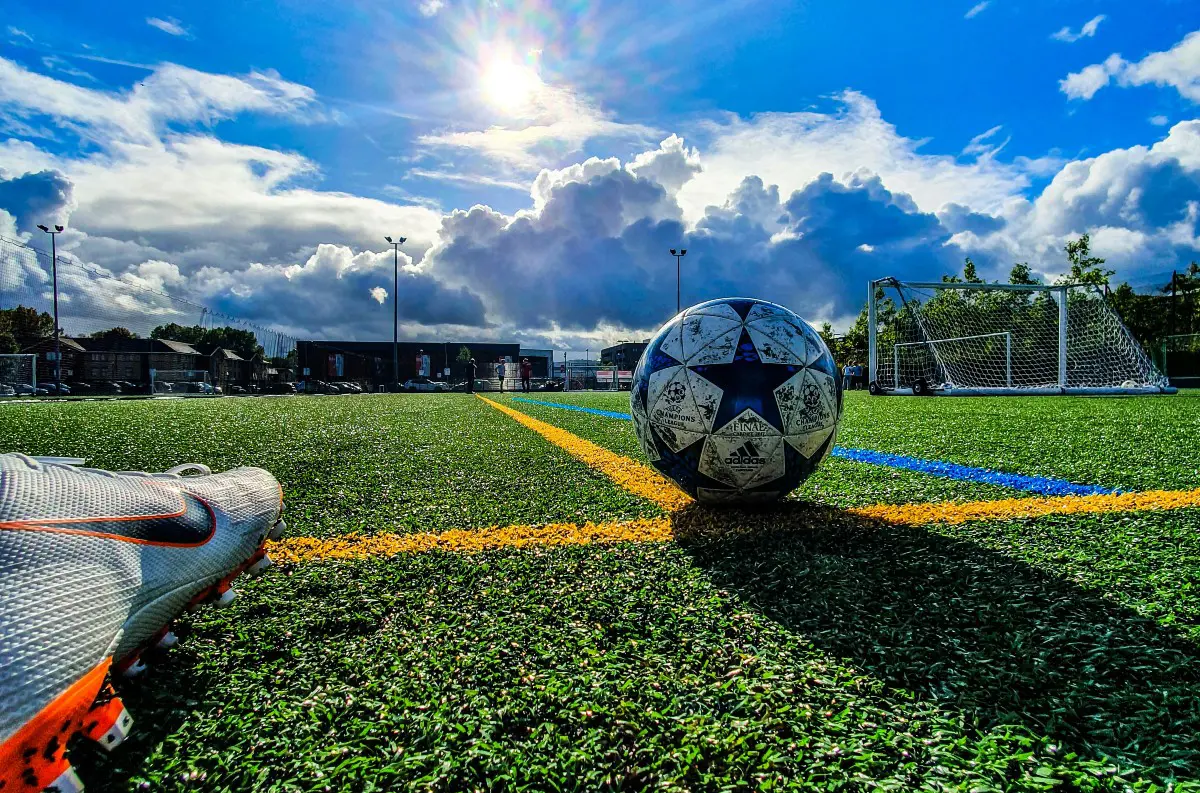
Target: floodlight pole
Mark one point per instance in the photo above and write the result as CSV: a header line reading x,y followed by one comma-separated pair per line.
x,y
678,291
396,308
54,274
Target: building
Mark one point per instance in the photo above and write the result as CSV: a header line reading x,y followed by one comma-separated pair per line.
x,y
132,360
624,355
371,361
73,355
226,368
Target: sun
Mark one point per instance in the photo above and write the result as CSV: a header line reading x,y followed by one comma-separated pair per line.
x,y
510,86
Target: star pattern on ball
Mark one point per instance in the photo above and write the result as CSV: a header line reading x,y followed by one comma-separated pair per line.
x,y
735,400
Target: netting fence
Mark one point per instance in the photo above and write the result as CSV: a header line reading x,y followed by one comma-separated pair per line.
x,y
115,328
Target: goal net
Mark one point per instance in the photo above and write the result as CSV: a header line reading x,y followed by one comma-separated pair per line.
x,y
180,381
18,372
974,338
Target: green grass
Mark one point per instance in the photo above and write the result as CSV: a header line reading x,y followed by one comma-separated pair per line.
x,y
398,463
1053,654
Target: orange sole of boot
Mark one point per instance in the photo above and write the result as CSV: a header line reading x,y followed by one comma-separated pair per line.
x,y
35,755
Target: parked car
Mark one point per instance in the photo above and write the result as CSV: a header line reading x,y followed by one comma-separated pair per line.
x,y
350,388
280,388
549,385
236,390
7,390
81,389
58,389
424,384
163,387
25,389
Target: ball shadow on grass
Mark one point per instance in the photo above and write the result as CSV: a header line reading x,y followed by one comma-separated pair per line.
x,y
981,633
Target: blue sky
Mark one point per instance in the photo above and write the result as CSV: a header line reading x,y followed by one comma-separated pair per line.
x,y
542,154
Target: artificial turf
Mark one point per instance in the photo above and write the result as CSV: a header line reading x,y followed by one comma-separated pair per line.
x,y
1058,653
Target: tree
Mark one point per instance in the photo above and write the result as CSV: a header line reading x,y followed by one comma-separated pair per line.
x,y
23,322
243,342
1085,268
969,273
464,354
8,343
1021,274
114,333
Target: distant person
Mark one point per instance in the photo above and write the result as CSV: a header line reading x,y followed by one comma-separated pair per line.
x,y
500,374
471,371
847,376
526,375
858,376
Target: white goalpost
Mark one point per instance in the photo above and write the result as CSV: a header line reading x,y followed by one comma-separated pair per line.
x,y
959,338
18,372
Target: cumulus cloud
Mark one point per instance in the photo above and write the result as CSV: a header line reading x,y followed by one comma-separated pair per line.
x,y
1178,68
792,149
1087,31
379,293
44,197
171,26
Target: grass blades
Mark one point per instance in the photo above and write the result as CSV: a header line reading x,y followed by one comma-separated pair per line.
x,y
819,660
397,463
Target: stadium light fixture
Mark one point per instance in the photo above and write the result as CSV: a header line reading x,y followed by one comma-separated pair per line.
x,y
396,308
678,254
54,275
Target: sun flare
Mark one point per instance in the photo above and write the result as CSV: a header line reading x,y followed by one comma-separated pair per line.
x,y
510,86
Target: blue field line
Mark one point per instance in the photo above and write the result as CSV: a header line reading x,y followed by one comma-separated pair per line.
x,y
1033,484
612,414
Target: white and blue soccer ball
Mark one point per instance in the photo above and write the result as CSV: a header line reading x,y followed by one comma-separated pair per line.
x,y
737,400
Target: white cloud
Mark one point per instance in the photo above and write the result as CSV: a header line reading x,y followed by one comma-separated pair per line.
x,y
792,149
1159,121
1087,31
559,123
1178,67
170,94
429,8
17,33
980,148
1085,83
977,9
379,293
170,25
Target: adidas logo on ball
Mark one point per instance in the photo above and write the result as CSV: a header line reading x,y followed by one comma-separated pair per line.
x,y
746,454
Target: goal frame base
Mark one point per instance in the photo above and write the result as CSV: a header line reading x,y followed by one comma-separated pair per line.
x,y
1053,391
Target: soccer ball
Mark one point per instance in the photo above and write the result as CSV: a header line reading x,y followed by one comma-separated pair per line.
x,y
737,400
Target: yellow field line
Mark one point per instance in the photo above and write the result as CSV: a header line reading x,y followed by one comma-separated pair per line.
x,y
638,479
1004,509
643,481
355,546
715,522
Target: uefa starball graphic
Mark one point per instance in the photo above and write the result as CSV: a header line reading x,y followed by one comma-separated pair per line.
x,y
736,400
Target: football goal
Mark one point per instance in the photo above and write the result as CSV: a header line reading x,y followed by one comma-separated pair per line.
x,y
974,338
19,373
